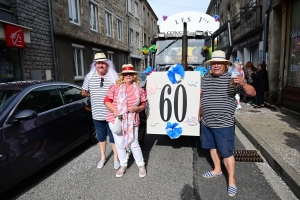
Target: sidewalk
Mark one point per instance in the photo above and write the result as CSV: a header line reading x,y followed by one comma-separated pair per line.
x,y
277,137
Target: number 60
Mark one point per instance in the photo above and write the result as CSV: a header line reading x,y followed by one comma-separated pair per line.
x,y
164,100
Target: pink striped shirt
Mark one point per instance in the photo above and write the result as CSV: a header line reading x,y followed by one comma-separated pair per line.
x,y
112,94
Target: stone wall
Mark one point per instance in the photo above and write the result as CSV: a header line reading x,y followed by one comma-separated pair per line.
x,y
38,54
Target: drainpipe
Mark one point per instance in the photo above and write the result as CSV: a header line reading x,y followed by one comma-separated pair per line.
x,y
52,42
128,28
266,28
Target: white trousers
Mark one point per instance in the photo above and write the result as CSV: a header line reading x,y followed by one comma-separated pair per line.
x,y
135,147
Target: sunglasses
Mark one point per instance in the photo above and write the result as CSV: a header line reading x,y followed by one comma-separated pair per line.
x,y
127,74
99,62
217,63
101,82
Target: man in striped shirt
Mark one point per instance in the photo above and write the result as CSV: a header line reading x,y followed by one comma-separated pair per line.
x,y
96,84
217,108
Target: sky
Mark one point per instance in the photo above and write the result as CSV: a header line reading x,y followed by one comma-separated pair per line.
x,y
168,8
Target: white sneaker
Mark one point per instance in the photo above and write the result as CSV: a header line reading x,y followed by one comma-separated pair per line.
x,y
238,107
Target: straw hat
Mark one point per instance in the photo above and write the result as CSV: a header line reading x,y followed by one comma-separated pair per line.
x,y
127,68
218,55
100,57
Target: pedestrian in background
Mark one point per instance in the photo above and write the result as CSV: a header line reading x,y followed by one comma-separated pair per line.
x,y
261,80
216,112
96,84
249,70
127,98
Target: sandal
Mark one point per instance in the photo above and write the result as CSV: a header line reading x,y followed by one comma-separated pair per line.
x,y
232,191
142,171
121,171
211,175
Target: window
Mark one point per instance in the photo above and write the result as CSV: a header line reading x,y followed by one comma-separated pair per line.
x,y
293,71
78,60
130,36
124,58
119,28
137,40
110,55
151,23
108,22
95,50
74,14
71,94
42,99
145,39
144,13
149,43
93,15
129,5
135,9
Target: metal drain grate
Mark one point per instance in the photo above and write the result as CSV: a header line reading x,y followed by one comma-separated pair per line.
x,y
247,156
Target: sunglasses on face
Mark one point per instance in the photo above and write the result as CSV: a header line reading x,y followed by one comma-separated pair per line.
x,y
101,82
128,74
99,62
217,63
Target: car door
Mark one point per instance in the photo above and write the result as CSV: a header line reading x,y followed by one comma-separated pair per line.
x,y
4,172
82,112
37,138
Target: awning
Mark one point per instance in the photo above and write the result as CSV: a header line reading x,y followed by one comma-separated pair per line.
x,y
135,56
26,31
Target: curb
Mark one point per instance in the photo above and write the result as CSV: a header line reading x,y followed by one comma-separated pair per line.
x,y
288,175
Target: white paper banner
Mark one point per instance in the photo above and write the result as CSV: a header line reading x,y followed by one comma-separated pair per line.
x,y
173,103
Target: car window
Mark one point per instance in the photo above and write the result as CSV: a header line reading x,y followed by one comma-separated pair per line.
x,y
72,93
42,99
6,97
142,76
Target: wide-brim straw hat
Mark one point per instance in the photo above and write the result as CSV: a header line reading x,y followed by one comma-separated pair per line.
x,y
219,56
127,68
100,57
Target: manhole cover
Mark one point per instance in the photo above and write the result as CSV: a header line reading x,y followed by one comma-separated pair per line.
x,y
247,156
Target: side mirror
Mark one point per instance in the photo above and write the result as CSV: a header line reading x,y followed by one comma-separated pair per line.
x,y
25,115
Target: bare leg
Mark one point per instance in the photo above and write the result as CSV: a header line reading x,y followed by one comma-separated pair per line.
x,y
230,166
216,160
102,146
113,146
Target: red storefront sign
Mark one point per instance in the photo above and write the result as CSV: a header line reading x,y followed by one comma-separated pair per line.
x,y
14,36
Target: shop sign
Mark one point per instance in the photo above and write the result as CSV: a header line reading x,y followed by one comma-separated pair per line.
x,y
14,36
250,41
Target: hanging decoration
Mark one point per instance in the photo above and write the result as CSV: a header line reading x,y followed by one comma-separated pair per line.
x,y
217,18
202,70
145,50
148,70
174,130
165,17
176,73
153,48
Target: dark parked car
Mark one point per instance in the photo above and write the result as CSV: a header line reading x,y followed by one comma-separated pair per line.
x,y
39,122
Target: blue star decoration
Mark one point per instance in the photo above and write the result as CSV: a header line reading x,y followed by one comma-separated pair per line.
x,y
174,130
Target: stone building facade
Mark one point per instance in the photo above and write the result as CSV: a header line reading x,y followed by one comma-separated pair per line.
x,y
36,58
64,35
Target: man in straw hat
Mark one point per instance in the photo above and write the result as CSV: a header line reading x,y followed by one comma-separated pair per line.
x,y
96,84
216,112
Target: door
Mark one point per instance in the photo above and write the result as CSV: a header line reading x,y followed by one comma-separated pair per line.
x,y
4,172
36,139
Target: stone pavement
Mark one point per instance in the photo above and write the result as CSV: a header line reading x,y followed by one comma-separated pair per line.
x,y
277,137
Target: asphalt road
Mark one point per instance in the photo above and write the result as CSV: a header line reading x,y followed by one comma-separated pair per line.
x,y
175,169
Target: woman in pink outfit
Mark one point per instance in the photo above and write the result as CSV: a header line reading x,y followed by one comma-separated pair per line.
x,y
126,98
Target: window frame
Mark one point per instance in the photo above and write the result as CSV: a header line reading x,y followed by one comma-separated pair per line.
x,y
110,55
119,29
72,14
129,5
93,14
136,7
108,22
81,48
130,37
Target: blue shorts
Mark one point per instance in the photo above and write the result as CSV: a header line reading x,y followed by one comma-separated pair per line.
x,y
102,130
221,139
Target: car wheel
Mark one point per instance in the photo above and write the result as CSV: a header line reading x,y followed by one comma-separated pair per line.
x,y
93,136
